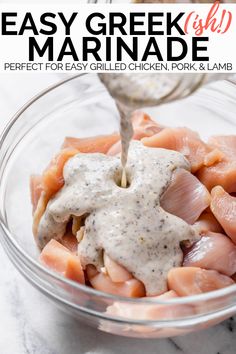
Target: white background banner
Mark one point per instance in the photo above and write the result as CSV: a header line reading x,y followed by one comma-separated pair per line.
x,y
118,38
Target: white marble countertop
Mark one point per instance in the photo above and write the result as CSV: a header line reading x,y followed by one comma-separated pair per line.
x,y
30,324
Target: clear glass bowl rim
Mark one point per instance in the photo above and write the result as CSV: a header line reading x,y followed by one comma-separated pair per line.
x,y
213,295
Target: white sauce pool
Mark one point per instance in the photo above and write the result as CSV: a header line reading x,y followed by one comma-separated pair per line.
x,y
127,223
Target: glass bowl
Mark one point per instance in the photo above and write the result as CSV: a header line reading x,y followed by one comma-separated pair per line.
x,y
80,106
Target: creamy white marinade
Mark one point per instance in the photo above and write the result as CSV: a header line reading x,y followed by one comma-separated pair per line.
x,y
127,223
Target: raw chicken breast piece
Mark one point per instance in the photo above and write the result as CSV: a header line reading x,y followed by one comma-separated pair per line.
x,y
116,272
101,143
214,251
222,173
185,197
207,222
58,258
102,282
223,206
192,280
183,140
70,241
52,179
144,125
50,183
